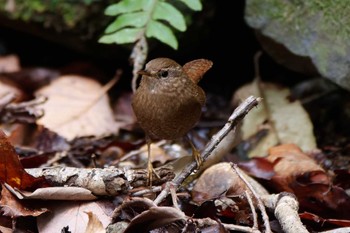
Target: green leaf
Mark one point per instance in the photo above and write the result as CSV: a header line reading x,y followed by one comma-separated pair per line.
x,y
195,5
124,36
161,32
167,12
136,19
124,6
148,5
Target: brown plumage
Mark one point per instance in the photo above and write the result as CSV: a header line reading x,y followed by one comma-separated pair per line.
x,y
168,102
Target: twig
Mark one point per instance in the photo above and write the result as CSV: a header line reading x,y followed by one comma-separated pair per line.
x,y
23,112
6,99
174,198
260,203
142,192
255,216
237,115
285,206
138,57
231,227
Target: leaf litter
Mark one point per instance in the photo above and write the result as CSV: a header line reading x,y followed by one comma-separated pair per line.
x,y
83,129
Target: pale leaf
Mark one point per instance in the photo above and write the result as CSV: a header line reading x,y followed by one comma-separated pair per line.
x,y
55,193
77,106
9,63
94,224
287,121
71,214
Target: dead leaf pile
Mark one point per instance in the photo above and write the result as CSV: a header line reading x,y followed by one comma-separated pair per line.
x,y
73,159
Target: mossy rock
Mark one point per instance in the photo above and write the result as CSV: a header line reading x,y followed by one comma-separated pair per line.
x,y
306,36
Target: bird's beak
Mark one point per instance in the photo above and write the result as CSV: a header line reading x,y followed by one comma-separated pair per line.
x,y
143,72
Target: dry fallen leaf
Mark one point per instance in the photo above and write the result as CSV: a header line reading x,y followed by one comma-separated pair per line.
x,y
220,180
71,214
156,217
14,131
290,163
56,193
94,225
9,63
77,106
5,230
7,88
298,173
286,121
12,171
11,206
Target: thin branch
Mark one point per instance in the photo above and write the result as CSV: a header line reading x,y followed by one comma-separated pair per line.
x,y
237,115
231,227
138,58
260,203
255,216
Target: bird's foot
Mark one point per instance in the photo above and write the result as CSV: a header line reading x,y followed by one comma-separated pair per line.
x,y
197,156
150,172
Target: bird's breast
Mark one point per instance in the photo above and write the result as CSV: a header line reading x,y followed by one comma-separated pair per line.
x,y
168,110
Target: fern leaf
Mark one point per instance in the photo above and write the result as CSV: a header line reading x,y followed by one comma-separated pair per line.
x,y
124,36
195,5
149,18
124,6
167,12
161,32
136,19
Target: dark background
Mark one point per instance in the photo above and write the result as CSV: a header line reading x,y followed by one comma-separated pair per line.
x,y
218,33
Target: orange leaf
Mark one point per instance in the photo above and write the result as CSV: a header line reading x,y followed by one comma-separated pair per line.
x,y
293,166
12,171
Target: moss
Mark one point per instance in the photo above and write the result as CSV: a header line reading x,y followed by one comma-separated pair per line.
x,y
60,15
332,13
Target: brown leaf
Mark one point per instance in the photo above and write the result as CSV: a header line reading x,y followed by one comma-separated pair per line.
x,y
12,171
321,221
155,217
216,181
258,167
11,206
197,68
131,208
7,88
77,106
290,163
297,173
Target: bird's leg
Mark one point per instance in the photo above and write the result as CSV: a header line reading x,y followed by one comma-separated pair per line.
x,y
149,161
195,153
150,169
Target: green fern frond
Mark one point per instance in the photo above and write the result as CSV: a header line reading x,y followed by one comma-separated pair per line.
x,y
150,18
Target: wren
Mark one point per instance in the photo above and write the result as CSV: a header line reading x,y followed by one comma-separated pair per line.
x,y
168,102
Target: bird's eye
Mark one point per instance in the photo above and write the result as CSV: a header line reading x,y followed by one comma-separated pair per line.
x,y
164,74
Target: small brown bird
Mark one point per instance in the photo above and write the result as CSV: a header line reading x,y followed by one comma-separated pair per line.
x,y
168,102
